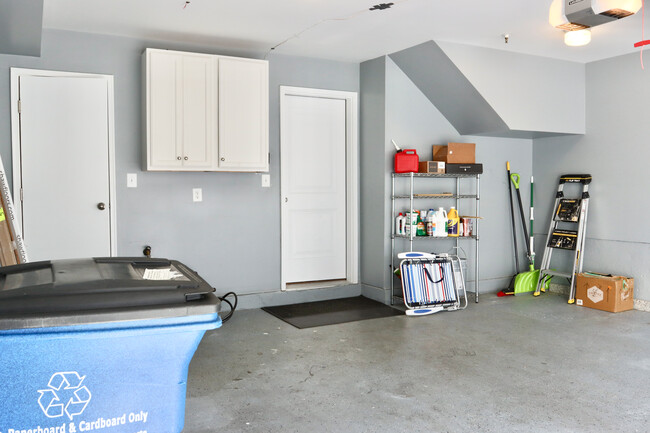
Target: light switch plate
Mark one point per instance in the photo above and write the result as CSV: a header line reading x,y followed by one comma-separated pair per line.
x,y
266,180
131,180
197,194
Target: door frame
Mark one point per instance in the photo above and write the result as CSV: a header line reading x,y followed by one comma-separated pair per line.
x,y
351,171
16,159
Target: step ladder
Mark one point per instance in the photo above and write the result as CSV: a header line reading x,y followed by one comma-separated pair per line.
x,y
568,212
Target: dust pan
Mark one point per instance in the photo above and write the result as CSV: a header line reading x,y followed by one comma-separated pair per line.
x,y
526,282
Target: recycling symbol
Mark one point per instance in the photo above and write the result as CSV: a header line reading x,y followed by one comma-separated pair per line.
x,y
64,395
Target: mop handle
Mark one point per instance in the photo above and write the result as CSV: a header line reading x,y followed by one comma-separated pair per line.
x,y
515,178
512,217
532,218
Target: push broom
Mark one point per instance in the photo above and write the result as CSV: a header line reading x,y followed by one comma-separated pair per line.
x,y
510,289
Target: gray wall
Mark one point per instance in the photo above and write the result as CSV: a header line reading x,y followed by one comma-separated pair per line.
x,y
443,83
372,186
232,238
615,152
21,27
530,93
240,219
414,123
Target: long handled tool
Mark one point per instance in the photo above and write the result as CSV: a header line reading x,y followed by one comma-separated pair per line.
x,y
510,289
532,218
512,217
525,282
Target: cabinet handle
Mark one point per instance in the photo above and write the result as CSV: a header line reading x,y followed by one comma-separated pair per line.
x,y
185,158
223,159
101,206
178,157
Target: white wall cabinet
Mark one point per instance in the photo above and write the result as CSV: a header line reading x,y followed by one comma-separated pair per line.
x,y
205,112
243,114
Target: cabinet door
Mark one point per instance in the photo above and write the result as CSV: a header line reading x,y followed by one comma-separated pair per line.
x,y
163,94
243,114
197,117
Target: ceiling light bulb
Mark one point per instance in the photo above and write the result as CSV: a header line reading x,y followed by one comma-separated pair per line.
x,y
577,38
556,13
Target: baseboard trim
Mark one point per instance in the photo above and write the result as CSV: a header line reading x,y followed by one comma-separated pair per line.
x,y
641,305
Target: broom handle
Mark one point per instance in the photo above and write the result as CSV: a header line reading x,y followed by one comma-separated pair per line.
x,y
512,217
532,218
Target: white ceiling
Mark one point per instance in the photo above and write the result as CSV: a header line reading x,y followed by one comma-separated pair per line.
x,y
341,29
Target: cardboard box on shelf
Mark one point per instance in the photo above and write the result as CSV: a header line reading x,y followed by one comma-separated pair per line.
x,y
455,153
431,167
605,292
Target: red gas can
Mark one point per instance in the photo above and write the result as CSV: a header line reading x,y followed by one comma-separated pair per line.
x,y
406,161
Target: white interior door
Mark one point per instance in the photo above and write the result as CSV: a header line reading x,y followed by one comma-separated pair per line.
x,y
65,165
313,177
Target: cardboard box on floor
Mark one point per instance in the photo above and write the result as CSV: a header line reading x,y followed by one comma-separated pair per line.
x,y
455,153
605,292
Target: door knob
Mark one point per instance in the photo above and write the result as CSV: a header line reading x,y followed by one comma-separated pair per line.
x,y
101,206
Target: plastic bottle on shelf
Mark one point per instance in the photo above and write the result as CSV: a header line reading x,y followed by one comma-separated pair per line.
x,y
431,222
407,223
421,228
452,222
441,223
411,222
399,224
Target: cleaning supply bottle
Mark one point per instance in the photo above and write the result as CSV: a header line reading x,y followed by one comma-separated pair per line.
x,y
411,223
407,223
421,228
441,223
452,222
399,224
431,222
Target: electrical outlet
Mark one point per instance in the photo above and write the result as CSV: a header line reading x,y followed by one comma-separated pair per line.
x,y
266,180
131,180
197,194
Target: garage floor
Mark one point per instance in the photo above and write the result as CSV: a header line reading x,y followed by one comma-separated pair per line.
x,y
519,364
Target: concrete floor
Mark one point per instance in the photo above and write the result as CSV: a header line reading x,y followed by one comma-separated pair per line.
x,y
511,364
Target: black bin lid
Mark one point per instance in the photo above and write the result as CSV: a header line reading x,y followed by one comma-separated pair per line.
x,y
78,287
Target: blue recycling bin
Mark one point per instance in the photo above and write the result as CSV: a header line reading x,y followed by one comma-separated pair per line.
x,y
99,345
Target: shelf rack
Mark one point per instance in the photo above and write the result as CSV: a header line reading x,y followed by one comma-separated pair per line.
x,y
456,195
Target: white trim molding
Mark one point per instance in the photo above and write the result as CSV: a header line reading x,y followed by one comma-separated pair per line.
x,y
352,168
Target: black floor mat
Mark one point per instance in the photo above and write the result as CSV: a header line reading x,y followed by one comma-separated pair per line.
x,y
320,313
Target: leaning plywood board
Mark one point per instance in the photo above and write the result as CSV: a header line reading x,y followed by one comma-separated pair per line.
x,y
7,256
12,247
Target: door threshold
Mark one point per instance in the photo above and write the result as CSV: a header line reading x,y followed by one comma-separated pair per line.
x,y
309,285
